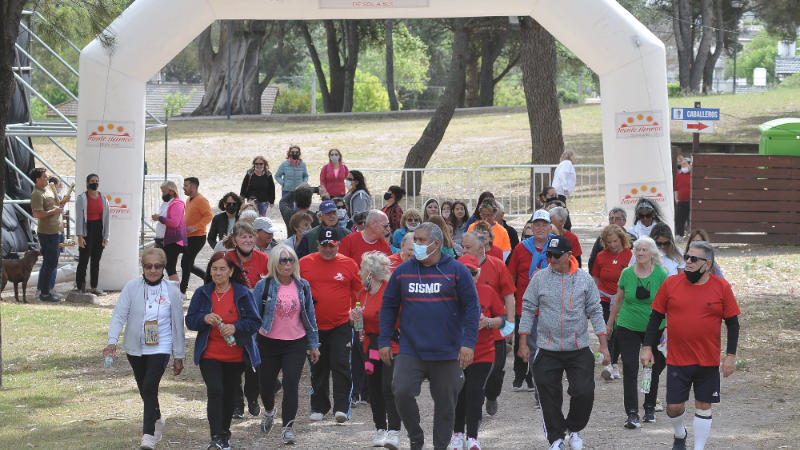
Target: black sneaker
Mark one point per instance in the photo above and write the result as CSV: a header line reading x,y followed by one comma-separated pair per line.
x,y
649,415
217,443
680,443
254,408
516,386
633,421
238,412
491,407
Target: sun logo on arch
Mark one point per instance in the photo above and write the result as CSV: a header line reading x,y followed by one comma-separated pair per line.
x,y
637,120
110,130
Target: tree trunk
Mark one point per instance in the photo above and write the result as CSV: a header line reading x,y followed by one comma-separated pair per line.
x,y
719,39
421,153
335,67
704,48
472,82
10,16
393,104
538,63
684,44
350,46
327,101
492,44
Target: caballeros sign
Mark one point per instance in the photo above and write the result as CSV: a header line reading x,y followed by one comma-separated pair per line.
x,y
110,134
639,124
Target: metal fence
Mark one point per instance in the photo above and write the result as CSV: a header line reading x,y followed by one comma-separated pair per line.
x,y
517,187
438,183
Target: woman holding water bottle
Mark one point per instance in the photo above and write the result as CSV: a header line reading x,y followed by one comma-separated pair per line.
x,y
637,288
151,309
223,313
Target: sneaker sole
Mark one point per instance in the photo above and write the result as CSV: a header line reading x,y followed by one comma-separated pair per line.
x,y
391,446
632,426
341,419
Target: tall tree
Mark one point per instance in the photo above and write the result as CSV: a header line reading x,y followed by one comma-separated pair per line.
x,y
782,17
393,104
494,40
421,153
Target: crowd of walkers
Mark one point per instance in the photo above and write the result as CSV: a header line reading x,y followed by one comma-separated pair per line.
x,y
378,300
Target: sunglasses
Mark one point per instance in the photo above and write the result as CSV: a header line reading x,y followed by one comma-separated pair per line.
x,y
663,244
645,216
693,259
286,261
258,164
149,266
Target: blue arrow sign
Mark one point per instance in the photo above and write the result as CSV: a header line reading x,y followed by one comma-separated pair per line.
x,y
695,113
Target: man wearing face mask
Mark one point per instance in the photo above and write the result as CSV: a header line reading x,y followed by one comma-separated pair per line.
x,y
694,303
328,217
438,332
91,227
683,190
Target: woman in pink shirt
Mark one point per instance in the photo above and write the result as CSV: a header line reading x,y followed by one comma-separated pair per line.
x,y
332,175
288,329
175,233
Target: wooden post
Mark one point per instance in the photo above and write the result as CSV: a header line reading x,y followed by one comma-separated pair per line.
x,y
696,136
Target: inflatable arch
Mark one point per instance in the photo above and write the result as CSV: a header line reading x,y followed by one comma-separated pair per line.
x,y
629,59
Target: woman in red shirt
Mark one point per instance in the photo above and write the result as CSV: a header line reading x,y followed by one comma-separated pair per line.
x,y
242,241
470,399
91,227
606,271
223,313
374,275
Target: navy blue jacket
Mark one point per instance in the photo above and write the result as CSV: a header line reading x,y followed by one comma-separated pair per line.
x,y
246,326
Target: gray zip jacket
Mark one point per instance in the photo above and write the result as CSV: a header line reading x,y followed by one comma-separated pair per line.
x,y
129,312
564,301
80,213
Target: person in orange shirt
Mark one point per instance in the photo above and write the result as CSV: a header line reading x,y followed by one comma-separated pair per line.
x,y
198,215
488,212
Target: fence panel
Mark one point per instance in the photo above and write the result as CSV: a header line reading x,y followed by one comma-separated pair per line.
x,y
439,183
511,185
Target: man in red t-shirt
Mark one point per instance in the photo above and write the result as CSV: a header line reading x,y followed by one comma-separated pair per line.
x,y
334,284
694,303
683,195
495,274
370,239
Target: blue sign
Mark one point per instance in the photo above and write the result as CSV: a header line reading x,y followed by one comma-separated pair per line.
x,y
695,113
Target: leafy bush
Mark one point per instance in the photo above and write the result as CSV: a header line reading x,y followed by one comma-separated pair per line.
x,y
673,89
175,101
792,81
369,94
38,109
293,100
509,91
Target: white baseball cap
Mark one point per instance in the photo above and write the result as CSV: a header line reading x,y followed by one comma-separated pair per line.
x,y
263,223
541,214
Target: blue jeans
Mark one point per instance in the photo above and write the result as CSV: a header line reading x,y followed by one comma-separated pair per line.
x,y
48,244
262,208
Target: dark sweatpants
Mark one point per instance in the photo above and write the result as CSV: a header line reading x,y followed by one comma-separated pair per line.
x,y
470,399
148,370
334,361
494,384
93,250
629,343
521,368
221,379
548,371
613,351
188,268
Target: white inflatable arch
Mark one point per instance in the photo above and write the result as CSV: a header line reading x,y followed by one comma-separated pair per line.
x,y
629,59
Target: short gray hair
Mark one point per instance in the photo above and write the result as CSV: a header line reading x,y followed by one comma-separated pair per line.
x,y
617,209
376,263
648,243
433,229
708,250
499,206
560,213
408,236
480,238
373,215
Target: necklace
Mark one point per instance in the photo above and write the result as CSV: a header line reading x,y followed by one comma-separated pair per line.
x,y
219,295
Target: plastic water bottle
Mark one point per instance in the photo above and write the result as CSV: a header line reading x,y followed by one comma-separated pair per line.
x,y
230,340
662,346
358,320
108,361
647,376
598,358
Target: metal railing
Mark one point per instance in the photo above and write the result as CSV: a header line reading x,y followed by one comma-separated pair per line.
x,y
452,183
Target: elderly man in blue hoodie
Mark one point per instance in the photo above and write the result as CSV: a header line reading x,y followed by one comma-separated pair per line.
x,y
438,331
565,296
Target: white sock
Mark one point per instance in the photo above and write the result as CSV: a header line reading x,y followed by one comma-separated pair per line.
x,y
702,428
677,425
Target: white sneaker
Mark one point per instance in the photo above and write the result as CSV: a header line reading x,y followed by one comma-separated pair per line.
x,y
148,442
392,440
316,416
606,373
456,442
575,441
659,406
380,438
473,444
615,372
340,417
159,428
557,445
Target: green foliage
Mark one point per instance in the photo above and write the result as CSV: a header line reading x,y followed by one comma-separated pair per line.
x,y
369,94
293,100
38,109
175,101
760,52
673,89
509,91
792,82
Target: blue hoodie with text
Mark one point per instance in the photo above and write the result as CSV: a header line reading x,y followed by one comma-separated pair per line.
x,y
440,309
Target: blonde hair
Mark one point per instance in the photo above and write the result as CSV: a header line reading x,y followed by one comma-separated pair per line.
x,y
153,251
274,260
172,187
376,263
568,154
615,230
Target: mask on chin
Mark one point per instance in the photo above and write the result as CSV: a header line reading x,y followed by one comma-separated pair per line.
x,y
243,253
693,276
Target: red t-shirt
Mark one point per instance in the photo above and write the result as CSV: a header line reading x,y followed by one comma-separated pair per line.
x,y
683,184
496,252
372,315
395,260
94,207
255,267
518,265
495,275
576,243
334,285
694,315
354,246
608,267
491,306
217,348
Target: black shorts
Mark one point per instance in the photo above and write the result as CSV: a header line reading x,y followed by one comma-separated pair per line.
x,y
681,378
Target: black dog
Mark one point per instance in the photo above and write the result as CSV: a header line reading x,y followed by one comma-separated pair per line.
x,y
19,271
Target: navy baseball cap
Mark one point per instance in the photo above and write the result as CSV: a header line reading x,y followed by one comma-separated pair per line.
x,y
327,206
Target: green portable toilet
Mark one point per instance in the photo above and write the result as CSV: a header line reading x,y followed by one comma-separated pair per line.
x,y
780,137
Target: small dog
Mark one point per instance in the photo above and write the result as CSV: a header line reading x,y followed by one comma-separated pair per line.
x,y
19,271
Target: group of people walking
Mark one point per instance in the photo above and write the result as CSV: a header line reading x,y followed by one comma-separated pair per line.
x,y
378,300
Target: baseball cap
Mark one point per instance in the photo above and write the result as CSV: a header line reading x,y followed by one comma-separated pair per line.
x,y
558,246
328,235
264,224
541,214
327,206
470,261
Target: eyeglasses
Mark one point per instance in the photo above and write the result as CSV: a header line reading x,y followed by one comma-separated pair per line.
x,y
693,258
386,225
286,261
150,266
663,244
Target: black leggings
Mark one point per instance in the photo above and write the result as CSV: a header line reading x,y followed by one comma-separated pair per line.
x,y
221,379
494,384
172,251
613,349
92,250
521,368
470,399
188,268
381,399
148,370
291,363
629,343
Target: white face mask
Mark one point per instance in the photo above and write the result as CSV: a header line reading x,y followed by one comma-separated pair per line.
x,y
347,184
334,158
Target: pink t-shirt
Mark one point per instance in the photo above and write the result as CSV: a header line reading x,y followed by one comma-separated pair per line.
x,y
286,322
